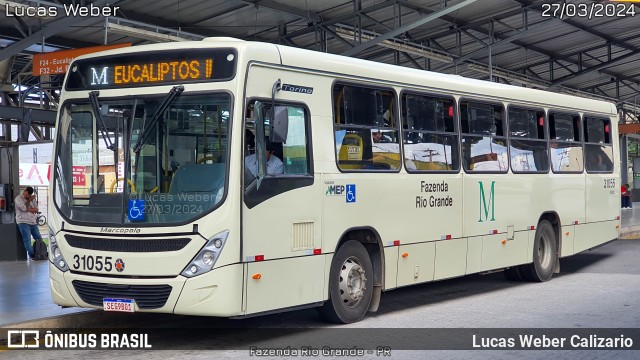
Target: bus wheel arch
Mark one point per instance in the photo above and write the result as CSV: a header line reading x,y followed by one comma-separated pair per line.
x,y
355,244
546,249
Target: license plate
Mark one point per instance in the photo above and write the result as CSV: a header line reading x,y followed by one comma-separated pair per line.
x,y
121,305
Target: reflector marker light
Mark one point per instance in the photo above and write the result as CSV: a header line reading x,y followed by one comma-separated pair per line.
x,y
541,121
494,232
396,242
259,258
606,128
445,237
532,227
257,276
404,255
617,217
567,233
451,111
576,222
317,251
504,242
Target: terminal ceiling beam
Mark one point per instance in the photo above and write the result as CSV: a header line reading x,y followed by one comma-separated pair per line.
x,y
50,29
478,26
400,30
38,116
500,43
286,9
601,66
587,29
342,18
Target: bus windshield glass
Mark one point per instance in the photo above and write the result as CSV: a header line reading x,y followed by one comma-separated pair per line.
x,y
176,175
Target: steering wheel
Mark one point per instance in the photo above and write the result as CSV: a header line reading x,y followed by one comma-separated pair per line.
x,y
207,158
114,182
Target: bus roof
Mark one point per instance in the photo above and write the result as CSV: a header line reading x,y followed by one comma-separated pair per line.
x,y
341,66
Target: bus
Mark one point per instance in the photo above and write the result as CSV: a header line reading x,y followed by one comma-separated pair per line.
x,y
233,178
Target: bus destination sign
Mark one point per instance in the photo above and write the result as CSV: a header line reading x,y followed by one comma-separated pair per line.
x,y
149,69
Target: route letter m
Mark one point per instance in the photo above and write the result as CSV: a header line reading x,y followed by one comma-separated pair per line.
x,y
484,207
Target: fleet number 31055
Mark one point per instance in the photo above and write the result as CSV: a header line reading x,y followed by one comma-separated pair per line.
x,y
88,262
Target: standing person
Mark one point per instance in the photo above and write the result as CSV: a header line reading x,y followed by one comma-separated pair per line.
x,y
626,196
26,212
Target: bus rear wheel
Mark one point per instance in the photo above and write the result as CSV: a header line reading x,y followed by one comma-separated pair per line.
x,y
350,285
545,253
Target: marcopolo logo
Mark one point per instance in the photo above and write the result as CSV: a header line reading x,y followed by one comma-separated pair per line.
x,y
489,205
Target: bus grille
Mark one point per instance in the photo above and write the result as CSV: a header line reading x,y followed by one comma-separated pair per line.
x,y
127,245
146,296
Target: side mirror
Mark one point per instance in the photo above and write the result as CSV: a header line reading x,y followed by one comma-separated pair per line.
x,y
279,124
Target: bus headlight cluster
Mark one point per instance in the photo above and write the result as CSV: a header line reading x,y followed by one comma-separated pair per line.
x,y
56,254
206,258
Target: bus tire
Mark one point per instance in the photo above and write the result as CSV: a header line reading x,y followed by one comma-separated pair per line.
x,y
350,285
545,252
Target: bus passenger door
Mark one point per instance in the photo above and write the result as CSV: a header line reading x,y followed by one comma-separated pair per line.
x,y
281,214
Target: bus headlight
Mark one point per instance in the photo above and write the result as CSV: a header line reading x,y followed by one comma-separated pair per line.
x,y
56,254
206,258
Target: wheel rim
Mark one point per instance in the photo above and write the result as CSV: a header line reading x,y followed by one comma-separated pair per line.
x,y
544,251
353,282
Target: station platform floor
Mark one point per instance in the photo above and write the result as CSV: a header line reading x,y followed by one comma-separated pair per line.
x,y
25,295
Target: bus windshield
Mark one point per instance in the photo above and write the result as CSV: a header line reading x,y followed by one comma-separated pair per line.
x,y
175,174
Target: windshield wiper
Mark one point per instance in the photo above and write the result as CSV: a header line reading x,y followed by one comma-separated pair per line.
x,y
175,91
93,97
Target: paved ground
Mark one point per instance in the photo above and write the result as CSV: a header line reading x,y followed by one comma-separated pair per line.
x,y
596,289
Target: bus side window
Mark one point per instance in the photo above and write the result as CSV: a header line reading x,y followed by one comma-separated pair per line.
x,y
598,147
296,151
366,128
430,138
565,142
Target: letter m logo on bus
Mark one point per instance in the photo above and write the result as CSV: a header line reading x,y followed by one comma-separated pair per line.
x,y
99,80
486,206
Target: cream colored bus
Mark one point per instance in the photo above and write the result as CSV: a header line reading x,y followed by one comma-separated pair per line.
x,y
232,178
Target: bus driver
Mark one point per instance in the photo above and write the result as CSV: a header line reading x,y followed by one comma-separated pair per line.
x,y
274,164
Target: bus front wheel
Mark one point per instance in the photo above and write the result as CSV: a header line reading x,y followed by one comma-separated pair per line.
x,y
545,253
350,284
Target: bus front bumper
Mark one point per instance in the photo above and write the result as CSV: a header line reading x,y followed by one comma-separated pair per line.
x,y
216,293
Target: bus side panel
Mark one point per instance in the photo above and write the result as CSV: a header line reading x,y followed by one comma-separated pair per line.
x,y
415,264
449,262
499,252
390,267
474,254
568,240
284,283
594,234
568,199
603,199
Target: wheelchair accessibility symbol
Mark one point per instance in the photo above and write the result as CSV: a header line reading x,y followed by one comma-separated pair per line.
x,y
136,210
350,194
